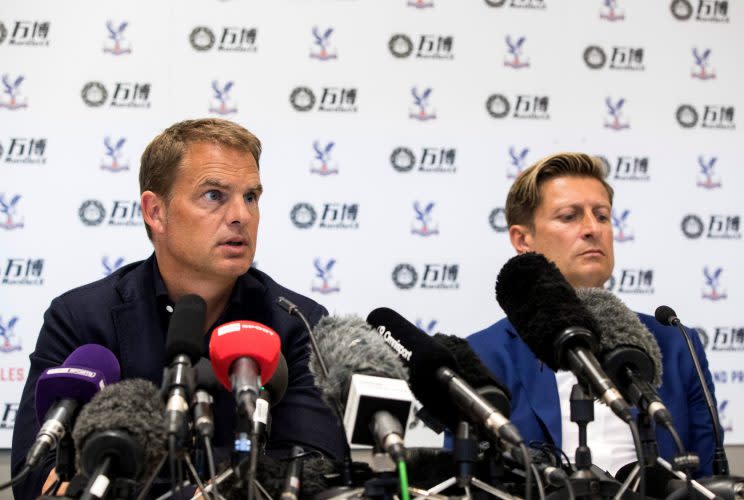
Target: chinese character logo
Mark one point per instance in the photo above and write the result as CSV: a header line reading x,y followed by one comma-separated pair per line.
x,y
8,211
620,224
322,163
8,340
421,112
113,162
614,110
712,285
11,89
109,268
222,95
516,162
707,174
702,69
513,60
428,328
323,278
610,11
322,45
116,35
422,223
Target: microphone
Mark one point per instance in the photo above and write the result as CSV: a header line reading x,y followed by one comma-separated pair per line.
x,y
201,404
475,373
293,476
432,368
61,391
667,317
630,354
277,386
551,320
268,397
243,354
183,348
365,380
120,435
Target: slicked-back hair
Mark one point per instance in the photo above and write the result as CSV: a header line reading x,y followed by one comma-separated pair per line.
x,y
524,195
164,155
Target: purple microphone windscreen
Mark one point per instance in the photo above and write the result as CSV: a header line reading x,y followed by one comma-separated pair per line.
x,y
84,372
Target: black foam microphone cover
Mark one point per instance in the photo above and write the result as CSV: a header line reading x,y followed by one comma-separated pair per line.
x,y
542,305
475,373
665,315
186,328
277,386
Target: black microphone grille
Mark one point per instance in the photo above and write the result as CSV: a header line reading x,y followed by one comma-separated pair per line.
x,y
665,315
186,328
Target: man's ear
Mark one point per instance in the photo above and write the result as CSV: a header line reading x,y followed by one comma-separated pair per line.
x,y
521,238
153,211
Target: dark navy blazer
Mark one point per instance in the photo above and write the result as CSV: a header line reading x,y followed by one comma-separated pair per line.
x,y
120,313
536,410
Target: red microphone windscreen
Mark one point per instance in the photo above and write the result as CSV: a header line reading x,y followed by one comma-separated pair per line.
x,y
244,339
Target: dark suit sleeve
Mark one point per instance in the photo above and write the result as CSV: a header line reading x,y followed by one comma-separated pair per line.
x,y
702,438
302,417
57,339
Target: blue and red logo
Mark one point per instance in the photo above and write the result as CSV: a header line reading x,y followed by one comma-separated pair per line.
x,y
712,290
12,89
9,213
610,12
222,102
707,178
615,114
323,281
110,267
322,163
113,159
116,44
9,341
422,110
422,224
620,225
514,59
517,162
702,69
322,49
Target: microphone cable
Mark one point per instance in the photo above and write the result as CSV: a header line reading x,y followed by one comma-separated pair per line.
x,y
403,480
208,450
293,310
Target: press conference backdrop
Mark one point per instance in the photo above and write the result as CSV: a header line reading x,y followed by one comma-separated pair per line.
x,y
392,131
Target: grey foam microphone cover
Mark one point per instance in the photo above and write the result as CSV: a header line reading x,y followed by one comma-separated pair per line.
x,y
349,345
619,326
133,406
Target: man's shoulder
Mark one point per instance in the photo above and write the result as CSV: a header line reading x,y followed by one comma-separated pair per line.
x,y
493,336
108,289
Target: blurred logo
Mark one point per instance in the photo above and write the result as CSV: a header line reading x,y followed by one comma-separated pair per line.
x,y
727,338
400,46
628,168
27,33
707,177
534,107
723,417
497,220
26,150
113,159
322,163
421,4
427,328
12,92
232,39
323,281
23,271
422,224
517,4
714,117
434,276
428,46
610,12
322,49
517,162
615,114
715,11
623,58
125,95
514,58
635,281
12,374
431,160
9,212
111,266
202,38
422,110
712,289
8,413
122,213
335,99
702,69
9,341
718,226
620,226
117,45
333,216
221,95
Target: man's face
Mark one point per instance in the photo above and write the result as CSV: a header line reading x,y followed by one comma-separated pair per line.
x,y
208,229
573,228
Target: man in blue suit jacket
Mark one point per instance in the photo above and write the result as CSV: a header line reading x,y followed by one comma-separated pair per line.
x,y
561,207
200,186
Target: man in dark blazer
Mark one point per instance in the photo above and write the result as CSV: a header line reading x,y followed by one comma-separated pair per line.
x,y
561,207
200,186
